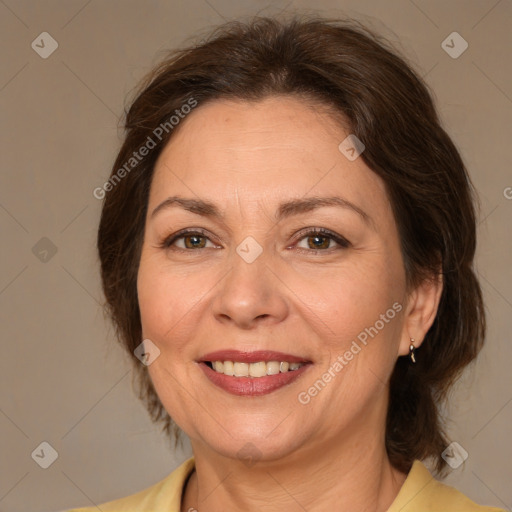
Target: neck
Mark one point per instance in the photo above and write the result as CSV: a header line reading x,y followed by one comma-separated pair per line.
x,y
354,474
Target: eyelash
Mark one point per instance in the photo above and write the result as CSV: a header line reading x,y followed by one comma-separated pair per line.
x,y
308,232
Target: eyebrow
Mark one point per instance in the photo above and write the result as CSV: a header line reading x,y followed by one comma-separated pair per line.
x,y
285,210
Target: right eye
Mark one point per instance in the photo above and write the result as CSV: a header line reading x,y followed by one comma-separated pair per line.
x,y
192,239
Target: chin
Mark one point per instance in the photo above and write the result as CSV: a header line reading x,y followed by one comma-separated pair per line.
x,y
250,439
252,449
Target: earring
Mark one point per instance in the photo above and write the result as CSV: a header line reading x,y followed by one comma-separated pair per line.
x,y
412,351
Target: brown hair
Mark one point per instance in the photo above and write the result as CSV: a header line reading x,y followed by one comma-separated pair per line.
x,y
354,72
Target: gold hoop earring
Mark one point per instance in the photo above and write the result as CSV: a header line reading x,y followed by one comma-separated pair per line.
x,y
412,351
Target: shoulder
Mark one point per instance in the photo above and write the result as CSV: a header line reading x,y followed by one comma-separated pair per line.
x,y
421,492
164,496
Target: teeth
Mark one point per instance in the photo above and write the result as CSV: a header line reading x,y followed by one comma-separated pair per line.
x,y
228,368
272,368
241,369
259,369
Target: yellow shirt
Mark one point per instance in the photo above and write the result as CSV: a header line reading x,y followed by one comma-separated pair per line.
x,y
419,493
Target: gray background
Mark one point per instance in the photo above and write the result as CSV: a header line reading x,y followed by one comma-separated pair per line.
x,y
63,378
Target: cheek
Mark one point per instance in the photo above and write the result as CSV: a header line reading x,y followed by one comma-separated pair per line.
x,y
360,308
163,307
344,301
154,301
163,302
178,399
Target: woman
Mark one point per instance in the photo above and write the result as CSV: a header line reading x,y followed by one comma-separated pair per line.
x,y
286,246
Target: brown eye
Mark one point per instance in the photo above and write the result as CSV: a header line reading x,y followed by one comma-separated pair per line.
x,y
187,240
319,242
322,240
194,241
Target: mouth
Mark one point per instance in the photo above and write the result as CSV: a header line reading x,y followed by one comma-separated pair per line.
x,y
254,370
252,373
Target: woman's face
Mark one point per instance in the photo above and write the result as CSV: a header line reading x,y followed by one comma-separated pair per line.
x,y
253,276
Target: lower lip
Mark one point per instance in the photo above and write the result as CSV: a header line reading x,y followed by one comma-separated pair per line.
x,y
252,386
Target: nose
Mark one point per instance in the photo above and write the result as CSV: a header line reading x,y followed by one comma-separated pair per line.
x,y
250,294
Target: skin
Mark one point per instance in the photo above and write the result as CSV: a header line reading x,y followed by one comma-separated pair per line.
x,y
247,158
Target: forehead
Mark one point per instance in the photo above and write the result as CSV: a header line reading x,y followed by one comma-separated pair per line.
x,y
274,149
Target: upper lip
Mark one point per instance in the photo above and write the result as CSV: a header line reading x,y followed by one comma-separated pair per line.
x,y
251,357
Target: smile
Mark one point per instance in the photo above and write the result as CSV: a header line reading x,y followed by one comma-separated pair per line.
x,y
252,373
255,370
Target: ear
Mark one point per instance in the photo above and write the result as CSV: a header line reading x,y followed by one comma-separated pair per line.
x,y
421,310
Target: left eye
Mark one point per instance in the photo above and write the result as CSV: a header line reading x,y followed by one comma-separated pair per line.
x,y
317,241
321,240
